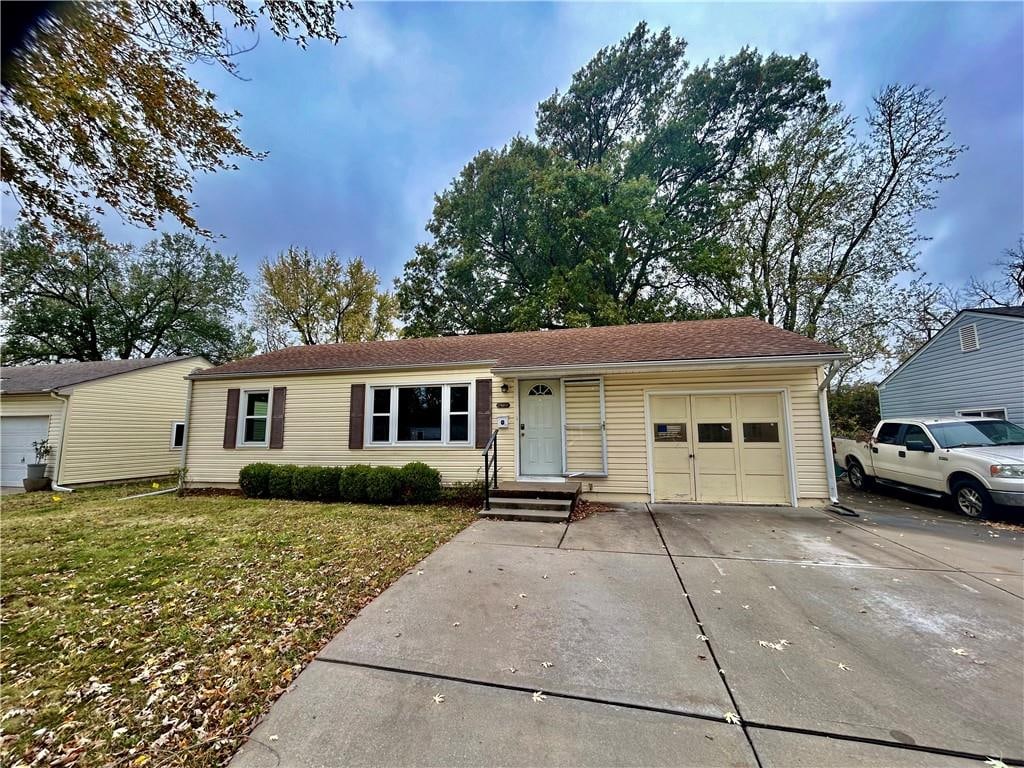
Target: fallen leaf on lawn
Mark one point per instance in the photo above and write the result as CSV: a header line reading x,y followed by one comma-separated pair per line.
x,y
843,667
438,698
538,696
154,486
959,651
55,498
732,718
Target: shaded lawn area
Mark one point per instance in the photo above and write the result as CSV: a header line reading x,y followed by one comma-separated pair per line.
x,y
155,631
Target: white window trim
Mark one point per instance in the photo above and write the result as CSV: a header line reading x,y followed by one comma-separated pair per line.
x,y
243,404
174,428
966,411
446,412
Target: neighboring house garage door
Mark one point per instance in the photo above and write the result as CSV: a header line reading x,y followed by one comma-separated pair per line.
x,y
17,433
719,448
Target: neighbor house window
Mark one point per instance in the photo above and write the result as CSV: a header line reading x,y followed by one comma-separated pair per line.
x,y
985,413
436,413
177,434
255,415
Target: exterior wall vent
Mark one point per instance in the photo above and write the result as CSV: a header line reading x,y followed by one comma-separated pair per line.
x,y
969,338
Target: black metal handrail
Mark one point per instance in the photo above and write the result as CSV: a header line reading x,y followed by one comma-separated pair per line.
x,y
490,454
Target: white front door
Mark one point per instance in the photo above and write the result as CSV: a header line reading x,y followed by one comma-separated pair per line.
x,y
540,428
17,433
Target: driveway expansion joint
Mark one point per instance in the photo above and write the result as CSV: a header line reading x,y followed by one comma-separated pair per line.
x,y
949,566
707,642
744,724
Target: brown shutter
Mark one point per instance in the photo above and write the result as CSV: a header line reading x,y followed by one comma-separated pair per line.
x,y
277,417
483,412
356,409
231,419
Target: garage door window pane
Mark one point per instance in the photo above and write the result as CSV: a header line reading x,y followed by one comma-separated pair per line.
x,y
761,432
714,433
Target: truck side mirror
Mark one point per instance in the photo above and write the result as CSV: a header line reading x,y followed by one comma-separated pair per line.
x,y
920,445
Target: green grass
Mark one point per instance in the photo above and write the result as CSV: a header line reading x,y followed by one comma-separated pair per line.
x,y
155,631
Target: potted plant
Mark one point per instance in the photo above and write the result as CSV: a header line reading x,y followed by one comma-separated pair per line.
x,y
43,450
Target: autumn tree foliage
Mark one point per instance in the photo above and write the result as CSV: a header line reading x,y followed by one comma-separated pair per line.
x,y
100,110
307,298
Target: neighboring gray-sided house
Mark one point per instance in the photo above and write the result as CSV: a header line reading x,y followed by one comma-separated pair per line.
x,y
974,366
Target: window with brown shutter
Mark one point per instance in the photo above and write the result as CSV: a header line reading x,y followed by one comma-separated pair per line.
x,y
483,412
231,419
356,410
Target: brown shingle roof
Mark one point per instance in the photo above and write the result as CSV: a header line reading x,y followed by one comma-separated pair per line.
x,y
739,337
33,379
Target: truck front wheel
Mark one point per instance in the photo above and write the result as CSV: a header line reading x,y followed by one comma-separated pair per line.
x,y
970,498
859,479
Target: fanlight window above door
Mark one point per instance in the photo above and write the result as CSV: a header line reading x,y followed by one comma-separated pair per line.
x,y
539,389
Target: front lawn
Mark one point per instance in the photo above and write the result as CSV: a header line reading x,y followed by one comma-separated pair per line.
x,y
154,631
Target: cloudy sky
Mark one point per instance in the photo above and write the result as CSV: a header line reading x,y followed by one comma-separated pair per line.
x,y
363,134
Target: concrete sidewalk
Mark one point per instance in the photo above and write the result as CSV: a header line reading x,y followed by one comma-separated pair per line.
x,y
642,628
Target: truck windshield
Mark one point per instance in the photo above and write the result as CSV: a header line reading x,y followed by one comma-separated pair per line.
x,y
975,434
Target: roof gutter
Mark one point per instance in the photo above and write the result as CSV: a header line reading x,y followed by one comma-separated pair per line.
x,y
708,362
317,371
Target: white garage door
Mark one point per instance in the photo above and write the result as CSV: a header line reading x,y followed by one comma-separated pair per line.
x,y
719,448
17,433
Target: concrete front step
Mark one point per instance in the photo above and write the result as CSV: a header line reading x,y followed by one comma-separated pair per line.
x,y
513,502
505,512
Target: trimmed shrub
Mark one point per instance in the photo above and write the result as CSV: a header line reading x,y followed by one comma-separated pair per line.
x,y
352,485
306,483
420,484
280,485
254,480
327,481
384,485
469,494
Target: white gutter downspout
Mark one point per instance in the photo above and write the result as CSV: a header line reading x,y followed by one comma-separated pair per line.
x,y
66,400
826,434
188,420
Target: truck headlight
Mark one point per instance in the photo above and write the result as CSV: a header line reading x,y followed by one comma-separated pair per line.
x,y
1007,470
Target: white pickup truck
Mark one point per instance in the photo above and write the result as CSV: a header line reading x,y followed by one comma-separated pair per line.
x,y
978,462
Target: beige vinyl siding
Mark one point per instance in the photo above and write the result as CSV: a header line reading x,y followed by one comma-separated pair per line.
x,y
316,426
627,432
38,405
120,427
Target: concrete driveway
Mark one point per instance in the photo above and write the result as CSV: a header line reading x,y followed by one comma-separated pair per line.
x,y
885,640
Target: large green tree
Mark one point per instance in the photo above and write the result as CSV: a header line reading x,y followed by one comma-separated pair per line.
x,y
312,299
614,213
67,298
100,109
